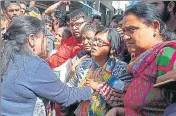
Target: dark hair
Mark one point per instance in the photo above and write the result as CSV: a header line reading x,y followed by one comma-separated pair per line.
x,y
47,19
16,37
58,13
117,18
67,16
66,32
93,27
148,13
96,17
167,2
9,3
61,17
35,9
23,2
77,14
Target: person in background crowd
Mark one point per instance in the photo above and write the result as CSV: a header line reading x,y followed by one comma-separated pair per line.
x,y
23,6
74,45
25,76
96,19
12,9
88,34
33,11
116,21
4,23
149,42
56,14
167,9
61,37
48,23
63,34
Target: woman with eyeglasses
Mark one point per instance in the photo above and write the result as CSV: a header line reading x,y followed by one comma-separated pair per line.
x,y
25,76
106,57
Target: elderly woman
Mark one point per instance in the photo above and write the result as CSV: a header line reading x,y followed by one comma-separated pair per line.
x,y
105,56
25,76
153,55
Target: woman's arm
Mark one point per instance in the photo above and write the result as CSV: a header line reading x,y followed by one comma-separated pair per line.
x,y
45,84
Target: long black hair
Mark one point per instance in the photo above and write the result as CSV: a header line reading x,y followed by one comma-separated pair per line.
x,y
16,37
148,13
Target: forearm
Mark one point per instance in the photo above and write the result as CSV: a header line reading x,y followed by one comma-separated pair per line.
x,y
51,9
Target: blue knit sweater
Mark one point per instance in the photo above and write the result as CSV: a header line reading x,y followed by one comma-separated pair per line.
x,y
29,77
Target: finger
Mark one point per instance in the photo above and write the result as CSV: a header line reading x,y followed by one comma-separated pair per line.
x,y
96,73
118,91
116,94
117,99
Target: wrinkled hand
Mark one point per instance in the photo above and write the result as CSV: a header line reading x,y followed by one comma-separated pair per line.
x,y
97,75
116,111
73,67
115,98
91,83
169,75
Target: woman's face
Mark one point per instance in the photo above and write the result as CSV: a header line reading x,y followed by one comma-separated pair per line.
x,y
40,44
87,40
100,45
58,38
137,35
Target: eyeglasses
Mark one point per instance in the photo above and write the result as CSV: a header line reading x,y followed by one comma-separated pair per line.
x,y
77,24
100,43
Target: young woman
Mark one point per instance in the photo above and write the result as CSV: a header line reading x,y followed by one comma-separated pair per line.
x,y
106,56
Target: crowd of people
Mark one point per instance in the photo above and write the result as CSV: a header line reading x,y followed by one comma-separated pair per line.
x,y
58,63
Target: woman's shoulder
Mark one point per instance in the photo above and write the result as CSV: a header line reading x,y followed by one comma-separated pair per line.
x,y
31,62
119,65
120,62
166,54
85,63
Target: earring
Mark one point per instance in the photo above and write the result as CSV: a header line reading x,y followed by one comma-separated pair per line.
x,y
154,35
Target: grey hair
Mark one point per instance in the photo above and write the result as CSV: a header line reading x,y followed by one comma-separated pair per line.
x,y
16,37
